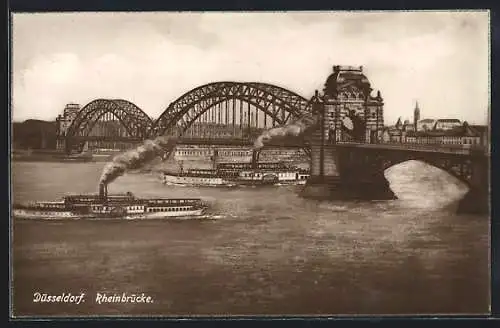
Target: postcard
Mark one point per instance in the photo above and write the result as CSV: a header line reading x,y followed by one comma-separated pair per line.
x,y
250,164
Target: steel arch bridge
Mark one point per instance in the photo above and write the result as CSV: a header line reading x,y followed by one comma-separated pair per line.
x,y
135,120
279,104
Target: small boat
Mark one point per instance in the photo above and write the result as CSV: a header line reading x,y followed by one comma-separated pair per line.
x,y
102,205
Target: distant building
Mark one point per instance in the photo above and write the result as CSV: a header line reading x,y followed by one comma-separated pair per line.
x,y
459,135
112,128
435,131
219,130
63,122
71,110
447,124
399,124
416,116
463,134
426,124
407,126
386,136
484,132
238,154
65,119
392,134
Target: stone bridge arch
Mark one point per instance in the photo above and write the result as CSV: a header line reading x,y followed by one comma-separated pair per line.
x,y
461,169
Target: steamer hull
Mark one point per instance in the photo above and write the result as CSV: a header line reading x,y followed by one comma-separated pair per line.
x,y
163,215
172,179
39,214
118,206
239,174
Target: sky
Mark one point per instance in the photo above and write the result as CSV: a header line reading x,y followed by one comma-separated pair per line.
x,y
440,59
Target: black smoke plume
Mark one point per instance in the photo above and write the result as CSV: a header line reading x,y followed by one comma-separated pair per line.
x,y
137,158
297,128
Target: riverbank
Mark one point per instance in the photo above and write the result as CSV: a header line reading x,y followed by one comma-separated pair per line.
x,y
56,156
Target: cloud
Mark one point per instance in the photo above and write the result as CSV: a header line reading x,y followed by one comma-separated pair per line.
x,y
153,58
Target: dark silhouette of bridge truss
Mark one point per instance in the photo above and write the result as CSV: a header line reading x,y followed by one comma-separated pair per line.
x,y
231,107
136,122
277,104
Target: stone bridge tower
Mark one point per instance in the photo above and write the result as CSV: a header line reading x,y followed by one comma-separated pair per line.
x,y
348,112
351,112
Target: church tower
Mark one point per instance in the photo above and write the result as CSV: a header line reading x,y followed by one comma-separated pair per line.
x,y
416,115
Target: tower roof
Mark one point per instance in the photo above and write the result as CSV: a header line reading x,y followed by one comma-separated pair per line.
x,y
449,120
398,123
344,76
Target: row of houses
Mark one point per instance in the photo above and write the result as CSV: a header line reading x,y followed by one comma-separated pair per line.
x,y
463,134
428,124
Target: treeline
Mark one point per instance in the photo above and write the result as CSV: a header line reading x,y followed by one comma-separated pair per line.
x,y
34,134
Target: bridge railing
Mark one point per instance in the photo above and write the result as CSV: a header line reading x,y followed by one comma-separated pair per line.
x,y
437,146
458,148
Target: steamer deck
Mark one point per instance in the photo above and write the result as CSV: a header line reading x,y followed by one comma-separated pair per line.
x,y
103,205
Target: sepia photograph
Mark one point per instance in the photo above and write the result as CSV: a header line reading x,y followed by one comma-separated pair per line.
x,y
225,164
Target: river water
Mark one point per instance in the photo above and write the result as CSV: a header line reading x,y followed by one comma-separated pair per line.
x,y
259,251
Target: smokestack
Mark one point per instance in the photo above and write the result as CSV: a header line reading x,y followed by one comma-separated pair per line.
x,y
102,190
214,158
255,158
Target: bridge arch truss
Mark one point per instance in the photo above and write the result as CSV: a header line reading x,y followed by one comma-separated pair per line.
x,y
136,122
278,103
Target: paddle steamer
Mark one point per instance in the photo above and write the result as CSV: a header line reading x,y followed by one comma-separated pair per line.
x,y
102,205
235,174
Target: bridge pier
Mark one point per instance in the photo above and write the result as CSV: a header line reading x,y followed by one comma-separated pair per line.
x,y
336,188
350,173
338,175
477,199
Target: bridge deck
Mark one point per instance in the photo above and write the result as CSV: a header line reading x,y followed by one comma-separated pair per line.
x,y
443,149
296,143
